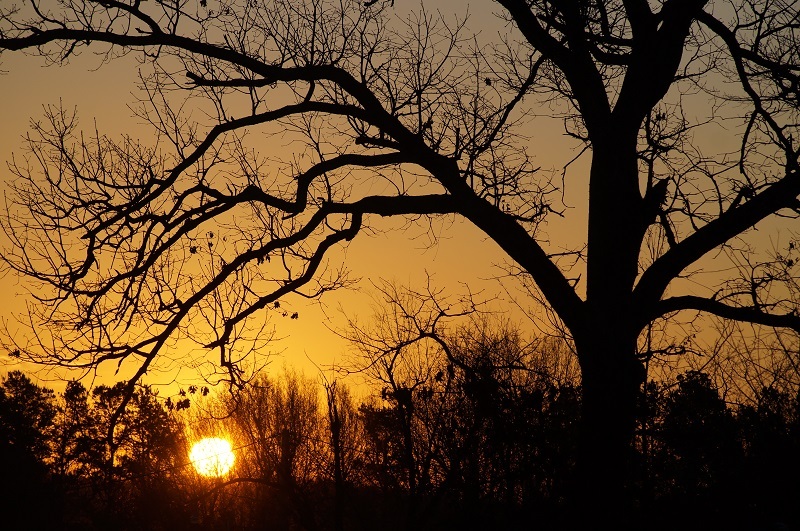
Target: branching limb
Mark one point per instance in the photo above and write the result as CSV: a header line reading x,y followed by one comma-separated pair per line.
x,y
745,314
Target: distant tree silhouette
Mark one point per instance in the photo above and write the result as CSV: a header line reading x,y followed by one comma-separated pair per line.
x,y
771,444
700,458
346,434
76,434
28,499
363,98
28,413
710,464
279,425
130,482
490,417
150,460
501,458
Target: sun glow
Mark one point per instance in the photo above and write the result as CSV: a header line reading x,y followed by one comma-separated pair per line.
x,y
212,457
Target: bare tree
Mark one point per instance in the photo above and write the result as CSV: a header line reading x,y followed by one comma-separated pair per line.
x,y
280,427
403,351
465,397
346,446
412,105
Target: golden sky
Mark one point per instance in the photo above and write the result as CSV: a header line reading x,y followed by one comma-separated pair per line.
x,y
462,256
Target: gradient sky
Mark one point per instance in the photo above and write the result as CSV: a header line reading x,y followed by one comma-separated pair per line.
x,y
101,95
462,255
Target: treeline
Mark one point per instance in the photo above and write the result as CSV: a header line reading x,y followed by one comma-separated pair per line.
x,y
61,470
481,438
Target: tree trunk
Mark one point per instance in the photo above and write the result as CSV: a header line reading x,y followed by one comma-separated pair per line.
x,y
611,382
606,339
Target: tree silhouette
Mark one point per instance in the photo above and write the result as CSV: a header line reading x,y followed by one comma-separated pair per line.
x,y
28,412
486,415
346,447
502,454
76,434
128,481
279,425
771,442
27,415
701,446
107,226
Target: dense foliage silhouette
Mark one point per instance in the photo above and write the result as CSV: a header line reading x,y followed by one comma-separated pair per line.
x,y
472,449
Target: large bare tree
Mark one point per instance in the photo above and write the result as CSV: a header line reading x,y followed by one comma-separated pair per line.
x,y
413,117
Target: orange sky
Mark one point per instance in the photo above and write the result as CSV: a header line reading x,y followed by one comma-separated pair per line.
x,y
462,255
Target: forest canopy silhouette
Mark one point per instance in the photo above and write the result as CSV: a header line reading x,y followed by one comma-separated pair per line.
x,y
202,230
459,450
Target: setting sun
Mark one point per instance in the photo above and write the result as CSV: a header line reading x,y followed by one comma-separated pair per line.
x,y
212,457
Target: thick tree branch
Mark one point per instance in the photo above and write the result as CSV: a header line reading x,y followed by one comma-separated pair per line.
x,y
244,83
654,281
397,205
528,253
640,16
655,58
270,73
584,79
726,311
